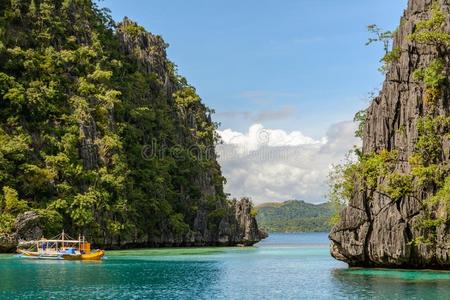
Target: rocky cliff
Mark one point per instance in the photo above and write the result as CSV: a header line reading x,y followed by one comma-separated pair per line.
x,y
400,219
237,227
99,135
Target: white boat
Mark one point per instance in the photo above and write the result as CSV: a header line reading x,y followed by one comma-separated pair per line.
x,y
61,247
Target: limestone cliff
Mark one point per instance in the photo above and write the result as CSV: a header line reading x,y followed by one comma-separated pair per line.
x,y
376,229
99,135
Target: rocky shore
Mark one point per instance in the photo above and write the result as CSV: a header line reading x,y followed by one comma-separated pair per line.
x,y
238,227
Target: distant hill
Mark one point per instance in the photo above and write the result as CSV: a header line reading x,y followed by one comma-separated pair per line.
x,y
294,216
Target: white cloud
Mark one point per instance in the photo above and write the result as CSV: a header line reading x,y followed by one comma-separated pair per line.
x,y
275,165
259,137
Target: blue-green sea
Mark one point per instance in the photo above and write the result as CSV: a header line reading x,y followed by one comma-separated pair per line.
x,y
284,266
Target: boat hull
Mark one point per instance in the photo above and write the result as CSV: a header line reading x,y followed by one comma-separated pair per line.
x,y
97,255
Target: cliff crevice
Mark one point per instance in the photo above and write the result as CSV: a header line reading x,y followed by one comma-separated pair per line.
x,y
396,224
100,135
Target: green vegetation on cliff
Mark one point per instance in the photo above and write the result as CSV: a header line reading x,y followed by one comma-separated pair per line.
x,y
424,174
80,99
294,216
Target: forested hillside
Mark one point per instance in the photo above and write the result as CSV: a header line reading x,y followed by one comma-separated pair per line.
x,y
294,216
100,135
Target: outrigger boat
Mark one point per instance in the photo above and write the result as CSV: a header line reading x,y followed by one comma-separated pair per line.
x,y
61,247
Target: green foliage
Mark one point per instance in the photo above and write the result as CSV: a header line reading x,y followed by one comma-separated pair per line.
x,y
133,30
186,97
75,115
51,220
398,185
362,172
83,207
427,170
360,117
359,172
177,223
12,203
428,225
423,240
392,55
441,198
341,183
384,37
294,216
433,76
6,222
425,176
429,173
430,133
389,58
370,167
431,31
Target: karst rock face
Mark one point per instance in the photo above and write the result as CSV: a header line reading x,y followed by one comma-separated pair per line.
x,y
238,226
105,125
374,230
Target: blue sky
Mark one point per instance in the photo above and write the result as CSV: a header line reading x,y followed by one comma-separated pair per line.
x,y
291,71
291,64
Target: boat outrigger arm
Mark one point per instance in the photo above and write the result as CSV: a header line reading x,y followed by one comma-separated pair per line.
x,y
60,247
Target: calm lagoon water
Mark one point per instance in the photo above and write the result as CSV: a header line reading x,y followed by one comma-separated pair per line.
x,y
285,266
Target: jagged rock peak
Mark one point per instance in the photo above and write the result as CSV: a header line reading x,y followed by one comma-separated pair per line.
x,y
148,49
376,230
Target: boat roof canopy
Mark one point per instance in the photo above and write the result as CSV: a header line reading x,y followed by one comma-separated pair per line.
x,y
61,238
51,241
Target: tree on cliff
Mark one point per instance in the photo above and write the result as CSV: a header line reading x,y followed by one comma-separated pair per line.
x,y
396,190
80,100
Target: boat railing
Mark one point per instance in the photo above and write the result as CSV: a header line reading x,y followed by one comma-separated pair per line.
x,y
56,244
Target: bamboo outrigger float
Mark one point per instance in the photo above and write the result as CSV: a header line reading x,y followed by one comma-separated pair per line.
x,y
61,247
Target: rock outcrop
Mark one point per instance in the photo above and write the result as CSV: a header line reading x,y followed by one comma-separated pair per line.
x,y
106,139
375,230
27,226
7,243
238,226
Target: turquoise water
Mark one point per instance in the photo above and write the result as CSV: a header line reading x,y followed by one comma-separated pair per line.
x,y
285,266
